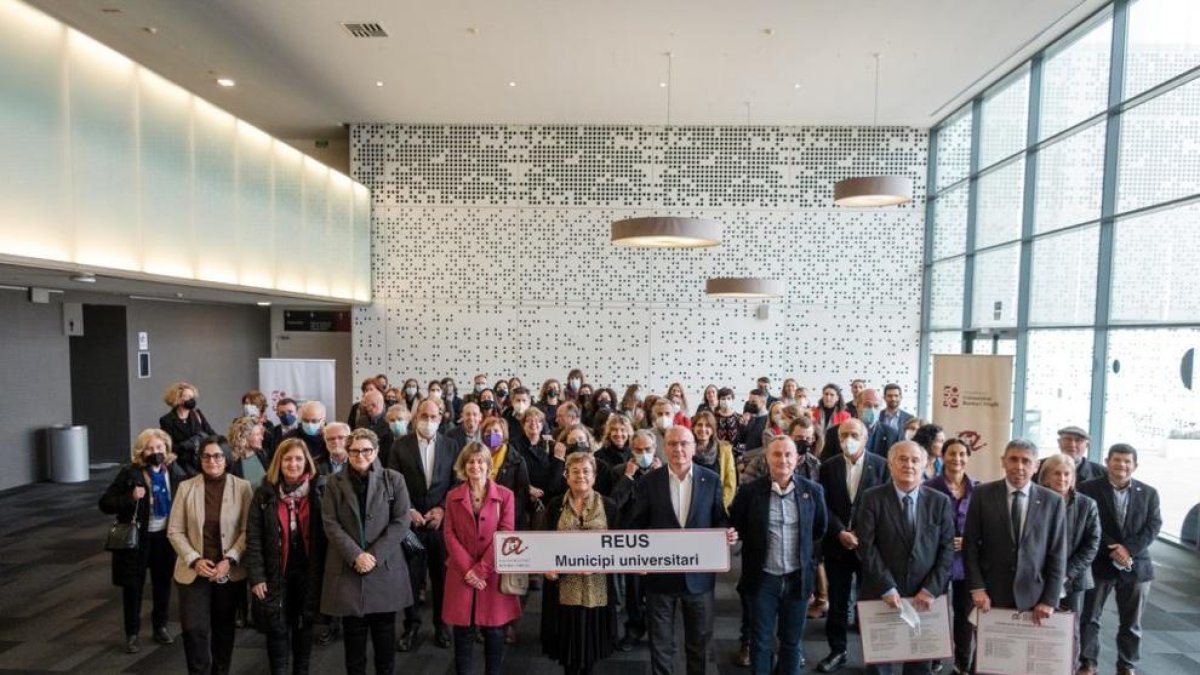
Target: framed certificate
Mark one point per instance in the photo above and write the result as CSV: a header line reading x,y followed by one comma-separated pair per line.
x,y
886,638
1008,643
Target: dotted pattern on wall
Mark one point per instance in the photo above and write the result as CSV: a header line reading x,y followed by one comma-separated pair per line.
x,y
491,253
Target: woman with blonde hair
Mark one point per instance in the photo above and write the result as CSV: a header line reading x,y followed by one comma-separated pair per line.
x,y
142,492
246,445
185,424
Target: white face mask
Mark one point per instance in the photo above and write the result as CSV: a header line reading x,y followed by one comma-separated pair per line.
x,y
435,394
575,382
430,428
250,410
725,404
674,408
664,422
850,446
908,434
779,420
520,407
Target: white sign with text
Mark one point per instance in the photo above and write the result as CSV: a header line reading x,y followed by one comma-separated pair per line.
x,y
652,551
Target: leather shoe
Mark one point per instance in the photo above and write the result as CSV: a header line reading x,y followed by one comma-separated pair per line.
x,y
627,643
937,667
441,637
131,644
743,657
1086,669
832,663
162,637
818,610
408,639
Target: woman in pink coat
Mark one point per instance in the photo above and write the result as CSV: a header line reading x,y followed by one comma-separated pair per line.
x,y
475,510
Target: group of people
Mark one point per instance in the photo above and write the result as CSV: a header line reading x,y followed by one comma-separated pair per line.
x,y
309,526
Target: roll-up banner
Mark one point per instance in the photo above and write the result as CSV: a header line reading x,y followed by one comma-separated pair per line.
x,y
972,399
300,379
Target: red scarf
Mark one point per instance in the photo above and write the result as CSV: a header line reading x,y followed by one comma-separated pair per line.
x,y
285,504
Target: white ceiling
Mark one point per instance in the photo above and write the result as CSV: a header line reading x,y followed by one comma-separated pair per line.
x,y
299,75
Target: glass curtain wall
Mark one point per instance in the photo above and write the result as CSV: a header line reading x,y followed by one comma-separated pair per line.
x,y
1064,210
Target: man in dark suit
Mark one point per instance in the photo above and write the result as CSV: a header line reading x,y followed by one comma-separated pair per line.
x,y
680,495
1014,543
905,541
779,517
845,479
426,460
1130,519
892,416
749,438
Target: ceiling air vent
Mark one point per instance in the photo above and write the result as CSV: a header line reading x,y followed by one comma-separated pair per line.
x,y
365,30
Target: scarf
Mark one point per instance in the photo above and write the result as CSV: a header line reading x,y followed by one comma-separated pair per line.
x,y
293,516
707,456
576,589
498,458
160,493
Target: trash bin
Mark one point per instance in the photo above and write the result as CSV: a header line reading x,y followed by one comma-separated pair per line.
x,y
68,453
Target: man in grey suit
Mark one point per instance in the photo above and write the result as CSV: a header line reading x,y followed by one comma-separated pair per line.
x,y
1130,519
905,541
1014,543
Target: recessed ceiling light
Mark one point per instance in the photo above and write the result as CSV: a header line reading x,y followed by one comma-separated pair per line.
x,y
226,81
512,84
472,30
152,30
263,304
378,83
796,86
663,85
84,278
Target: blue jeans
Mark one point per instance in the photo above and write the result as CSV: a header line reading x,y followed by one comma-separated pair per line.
x,y
779,601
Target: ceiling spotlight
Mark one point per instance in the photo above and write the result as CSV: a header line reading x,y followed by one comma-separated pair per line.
x,y
84,278
378,83
263,303
663,85
150,29
226,81
512,84
796,86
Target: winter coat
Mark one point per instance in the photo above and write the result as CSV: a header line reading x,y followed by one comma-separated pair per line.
x,y
264,555
118,500
469,547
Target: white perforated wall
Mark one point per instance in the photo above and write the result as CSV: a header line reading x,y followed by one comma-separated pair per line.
x,y
491,253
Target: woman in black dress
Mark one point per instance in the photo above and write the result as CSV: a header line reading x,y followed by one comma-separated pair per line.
x,y
185,424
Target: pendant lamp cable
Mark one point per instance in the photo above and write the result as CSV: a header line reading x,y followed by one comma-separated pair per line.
x,y
875,113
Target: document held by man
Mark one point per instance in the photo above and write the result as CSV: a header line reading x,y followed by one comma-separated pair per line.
x,y
612,551
1008,643
890,636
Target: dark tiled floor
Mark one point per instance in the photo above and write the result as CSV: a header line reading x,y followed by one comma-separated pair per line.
x,y
59,613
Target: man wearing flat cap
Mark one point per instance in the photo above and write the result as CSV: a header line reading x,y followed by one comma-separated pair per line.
x,y
1073,442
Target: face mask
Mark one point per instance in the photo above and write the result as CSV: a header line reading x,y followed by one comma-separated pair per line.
x,y
644,459
435,394
664,422
410,391
604,404
190,404
578,447
389,402
398,427
870,416
493,439
250,410
575,382
502,392
674,408
752,408
551,393
288,419
520,408
725,404
479,388
850,446
908,434
640,397
803,403
430,427
156,459
487,406
779,420
311,428
803,447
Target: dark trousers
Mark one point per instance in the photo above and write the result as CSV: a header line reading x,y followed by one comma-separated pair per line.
x,y
964,631
295,632
841,572
206,612
382,629
1073,602
780,606
464,649
746,629
432,561
697,609
1131,601
158,557
635,605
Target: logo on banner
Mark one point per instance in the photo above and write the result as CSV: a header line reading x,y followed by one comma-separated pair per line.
x,y
513,546
973,440
949,396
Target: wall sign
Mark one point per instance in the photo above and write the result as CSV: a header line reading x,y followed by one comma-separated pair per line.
x,y
316,322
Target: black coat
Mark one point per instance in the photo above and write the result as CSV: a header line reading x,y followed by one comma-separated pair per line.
x,y
1143,520
1083,541
184,436
837,500
127,566
264,555
514,475
891,560
750,515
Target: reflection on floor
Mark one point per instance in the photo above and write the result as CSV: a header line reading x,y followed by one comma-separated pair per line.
x,y
59,613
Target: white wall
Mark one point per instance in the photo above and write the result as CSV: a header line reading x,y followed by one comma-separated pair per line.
x,y
491,253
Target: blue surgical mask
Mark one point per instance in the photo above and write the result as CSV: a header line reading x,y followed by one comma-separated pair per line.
x,y
870,416
287,419
644,459
311,428
398,427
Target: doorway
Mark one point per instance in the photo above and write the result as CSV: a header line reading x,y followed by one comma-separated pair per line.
x,y
100,382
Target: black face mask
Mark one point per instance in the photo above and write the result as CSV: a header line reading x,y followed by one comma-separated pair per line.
x,y
190,404
752,408
391,402
804,447
604,404
578,447
551,393
487,406
156,459
502,393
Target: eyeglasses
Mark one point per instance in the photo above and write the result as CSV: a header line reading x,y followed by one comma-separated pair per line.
x,y
365,452
212,456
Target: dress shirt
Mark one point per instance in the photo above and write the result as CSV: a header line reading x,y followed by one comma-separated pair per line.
x,y
428,451
1009,490
681,494
1121,494
783,542
854,471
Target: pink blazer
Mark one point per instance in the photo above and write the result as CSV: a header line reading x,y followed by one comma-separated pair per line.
x,y
469,547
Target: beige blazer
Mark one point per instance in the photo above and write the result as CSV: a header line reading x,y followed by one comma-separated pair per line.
x,y
185,529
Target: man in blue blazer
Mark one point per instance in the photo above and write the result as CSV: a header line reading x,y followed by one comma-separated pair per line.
x,y
1130,519
845,479
1015,540
779,517
680,495
905,541
426,460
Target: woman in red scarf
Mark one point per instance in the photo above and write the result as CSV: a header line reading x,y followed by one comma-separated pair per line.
x,y
285,555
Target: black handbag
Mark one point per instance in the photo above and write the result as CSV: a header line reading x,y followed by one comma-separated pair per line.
x,y
124,536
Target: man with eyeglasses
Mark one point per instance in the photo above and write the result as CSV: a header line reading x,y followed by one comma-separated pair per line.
x,y
680,495
426,460
335,435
